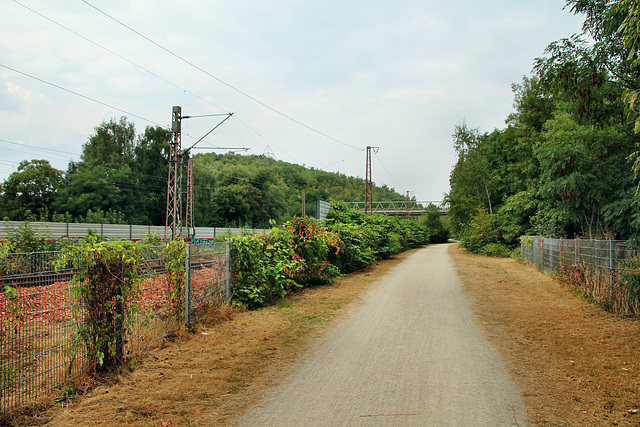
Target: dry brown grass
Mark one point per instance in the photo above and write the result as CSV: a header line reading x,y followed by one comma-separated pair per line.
x,y
576,364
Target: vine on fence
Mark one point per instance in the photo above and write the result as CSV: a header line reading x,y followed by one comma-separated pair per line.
x,y
630,279
107,289
175,253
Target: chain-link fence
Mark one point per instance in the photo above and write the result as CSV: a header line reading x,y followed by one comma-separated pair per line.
x,y
40,319
600,268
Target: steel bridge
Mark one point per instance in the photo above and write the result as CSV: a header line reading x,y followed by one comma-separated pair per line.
x,y
400,208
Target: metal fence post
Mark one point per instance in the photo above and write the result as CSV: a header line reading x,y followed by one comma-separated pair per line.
x,y
227,281
187,285
612,264
120,313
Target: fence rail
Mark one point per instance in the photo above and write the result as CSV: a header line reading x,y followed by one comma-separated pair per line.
x,y
56,230
39,318
599,268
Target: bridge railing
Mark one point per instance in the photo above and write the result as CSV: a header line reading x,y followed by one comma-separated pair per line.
x,y
398,207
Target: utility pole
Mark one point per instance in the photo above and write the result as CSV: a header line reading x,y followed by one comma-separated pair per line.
x,y
173,225
190,226
408,203
368,184
175,177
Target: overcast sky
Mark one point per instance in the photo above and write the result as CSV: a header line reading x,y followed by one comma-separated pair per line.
x,y
313,82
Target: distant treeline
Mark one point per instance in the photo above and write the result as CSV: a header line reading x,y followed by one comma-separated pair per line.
x,y
121,178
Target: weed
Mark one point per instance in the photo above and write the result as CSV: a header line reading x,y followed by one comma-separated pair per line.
x,y
69,393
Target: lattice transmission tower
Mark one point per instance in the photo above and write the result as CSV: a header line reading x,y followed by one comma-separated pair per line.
x,y
174,190
368,183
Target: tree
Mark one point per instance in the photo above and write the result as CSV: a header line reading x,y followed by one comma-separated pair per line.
x,y
95,189
533,104
30,191
112,145
150,168
630,29
432,221
583,171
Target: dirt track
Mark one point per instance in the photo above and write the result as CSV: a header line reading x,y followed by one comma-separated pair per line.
x,y
409,354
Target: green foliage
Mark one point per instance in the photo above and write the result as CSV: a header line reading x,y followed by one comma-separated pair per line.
x,y
434,223
267,267
561,167
106,290
357,252
496,250
6,247
25,238
482,232
312,246
386,235
30,190
14,309
174,254
234,190
514,216
631,280
112,145
122,177
263,269
67,395
303,252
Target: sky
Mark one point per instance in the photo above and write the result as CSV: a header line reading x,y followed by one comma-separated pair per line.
x,y
308,82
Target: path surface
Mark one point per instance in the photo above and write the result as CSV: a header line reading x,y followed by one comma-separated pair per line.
x,y
409,355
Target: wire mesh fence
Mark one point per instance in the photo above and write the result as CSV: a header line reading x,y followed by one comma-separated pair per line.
x,y
602,269
40,346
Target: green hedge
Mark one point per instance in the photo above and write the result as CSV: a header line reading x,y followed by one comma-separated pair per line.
x,y
304,252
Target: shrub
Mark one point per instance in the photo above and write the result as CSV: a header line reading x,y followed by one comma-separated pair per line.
x,y
174,254
496,250
311,245
432,221
357,249
481,232
263,269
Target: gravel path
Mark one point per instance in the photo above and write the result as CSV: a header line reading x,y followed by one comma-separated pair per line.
x,y
409,355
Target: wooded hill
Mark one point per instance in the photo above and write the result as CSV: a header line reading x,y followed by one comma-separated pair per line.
x,y
122,178
237,190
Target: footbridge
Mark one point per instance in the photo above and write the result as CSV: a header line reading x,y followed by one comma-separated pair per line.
x,y
410,208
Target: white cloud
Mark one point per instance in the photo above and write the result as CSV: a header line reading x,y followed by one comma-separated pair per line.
x,y
395,74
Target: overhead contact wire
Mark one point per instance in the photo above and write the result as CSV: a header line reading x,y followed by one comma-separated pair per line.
x,y
220,80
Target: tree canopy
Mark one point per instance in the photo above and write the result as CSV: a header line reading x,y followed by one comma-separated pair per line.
x,y
561,166
122,178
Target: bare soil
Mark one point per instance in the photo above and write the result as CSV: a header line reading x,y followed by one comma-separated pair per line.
x,y
576,364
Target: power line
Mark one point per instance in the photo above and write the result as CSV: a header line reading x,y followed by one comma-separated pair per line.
x,y
218,79
79,94
260,136
389,173
147,71
36,147
116,54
